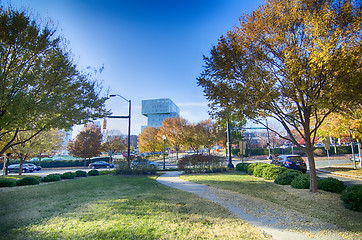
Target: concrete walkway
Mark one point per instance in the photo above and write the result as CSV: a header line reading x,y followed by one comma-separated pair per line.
x,y
271,218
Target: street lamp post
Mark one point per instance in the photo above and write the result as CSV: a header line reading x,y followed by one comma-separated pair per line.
x,y
129,123
164,139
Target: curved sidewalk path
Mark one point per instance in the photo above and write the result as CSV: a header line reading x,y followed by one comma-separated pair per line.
x,y
269,217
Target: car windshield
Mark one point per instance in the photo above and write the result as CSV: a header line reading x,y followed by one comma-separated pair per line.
x,y
297,159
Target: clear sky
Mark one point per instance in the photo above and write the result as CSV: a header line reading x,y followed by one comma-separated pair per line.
x,y
149,48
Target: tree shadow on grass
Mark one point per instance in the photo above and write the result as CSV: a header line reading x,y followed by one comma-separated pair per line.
x,y
106,207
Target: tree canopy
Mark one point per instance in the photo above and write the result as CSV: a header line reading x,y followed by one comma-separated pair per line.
x,y
41,87
87,143
295,61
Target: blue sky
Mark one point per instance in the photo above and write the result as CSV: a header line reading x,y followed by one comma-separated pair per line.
x,y
149,49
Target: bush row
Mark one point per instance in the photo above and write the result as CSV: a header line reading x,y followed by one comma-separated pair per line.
x,y
123,168
6,182
320,151
351,196
66,163
196,161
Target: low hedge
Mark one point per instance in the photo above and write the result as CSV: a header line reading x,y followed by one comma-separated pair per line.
x,y
68,175
242,167
51,178
27,181
301,182
4,182
287,177
259,169
93,172
331,185
352,198
271,172
250,168
80,173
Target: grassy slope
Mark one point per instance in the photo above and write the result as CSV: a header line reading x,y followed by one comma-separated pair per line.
x,y
113,207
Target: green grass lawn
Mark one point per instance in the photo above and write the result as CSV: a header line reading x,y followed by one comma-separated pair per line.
x,y
114,207
323,205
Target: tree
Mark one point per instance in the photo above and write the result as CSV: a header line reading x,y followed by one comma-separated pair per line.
x,y
295,61
87,143
207,134
175,131
149,141
45,142
114,144
41,87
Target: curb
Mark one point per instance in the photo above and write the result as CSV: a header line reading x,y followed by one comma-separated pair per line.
x,y
339,174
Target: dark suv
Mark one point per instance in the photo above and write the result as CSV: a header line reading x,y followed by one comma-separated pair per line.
x,y
291,161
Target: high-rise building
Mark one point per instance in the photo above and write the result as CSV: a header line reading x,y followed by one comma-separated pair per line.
x,y
157,110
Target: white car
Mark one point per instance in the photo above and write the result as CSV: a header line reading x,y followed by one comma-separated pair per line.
x,y
138,163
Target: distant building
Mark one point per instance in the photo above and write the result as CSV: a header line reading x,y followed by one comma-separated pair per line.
x,y
157,110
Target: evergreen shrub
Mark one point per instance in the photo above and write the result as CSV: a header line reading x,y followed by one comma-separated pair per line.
x,y
68,175
250,168
80,173
259,168
352,198
51,178
93,172
331,185
301,182
27,181
271,172
7,182
242,167
287,177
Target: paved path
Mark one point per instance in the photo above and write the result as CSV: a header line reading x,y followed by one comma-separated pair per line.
x,y
271,221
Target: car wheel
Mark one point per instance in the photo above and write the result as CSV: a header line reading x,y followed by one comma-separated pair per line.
x,y
93,167
25,171
108,166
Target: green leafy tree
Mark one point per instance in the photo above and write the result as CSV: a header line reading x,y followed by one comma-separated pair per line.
x,y
45,142
87,143
295,61
41,87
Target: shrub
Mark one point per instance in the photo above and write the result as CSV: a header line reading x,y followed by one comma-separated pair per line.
x,y
123,168
352,198
27,181
200,161
331,185
301,182
287,177
250,168
271,172
106,172
319,152
242,167
68,175
51,178
93,172
259,168
7,182
80,173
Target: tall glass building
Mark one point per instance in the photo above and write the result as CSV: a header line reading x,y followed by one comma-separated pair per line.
x,y
157,110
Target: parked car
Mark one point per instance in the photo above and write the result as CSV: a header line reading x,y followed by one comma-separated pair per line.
x,y
36,168
15,168
291,161
357,157
143,163
101,164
